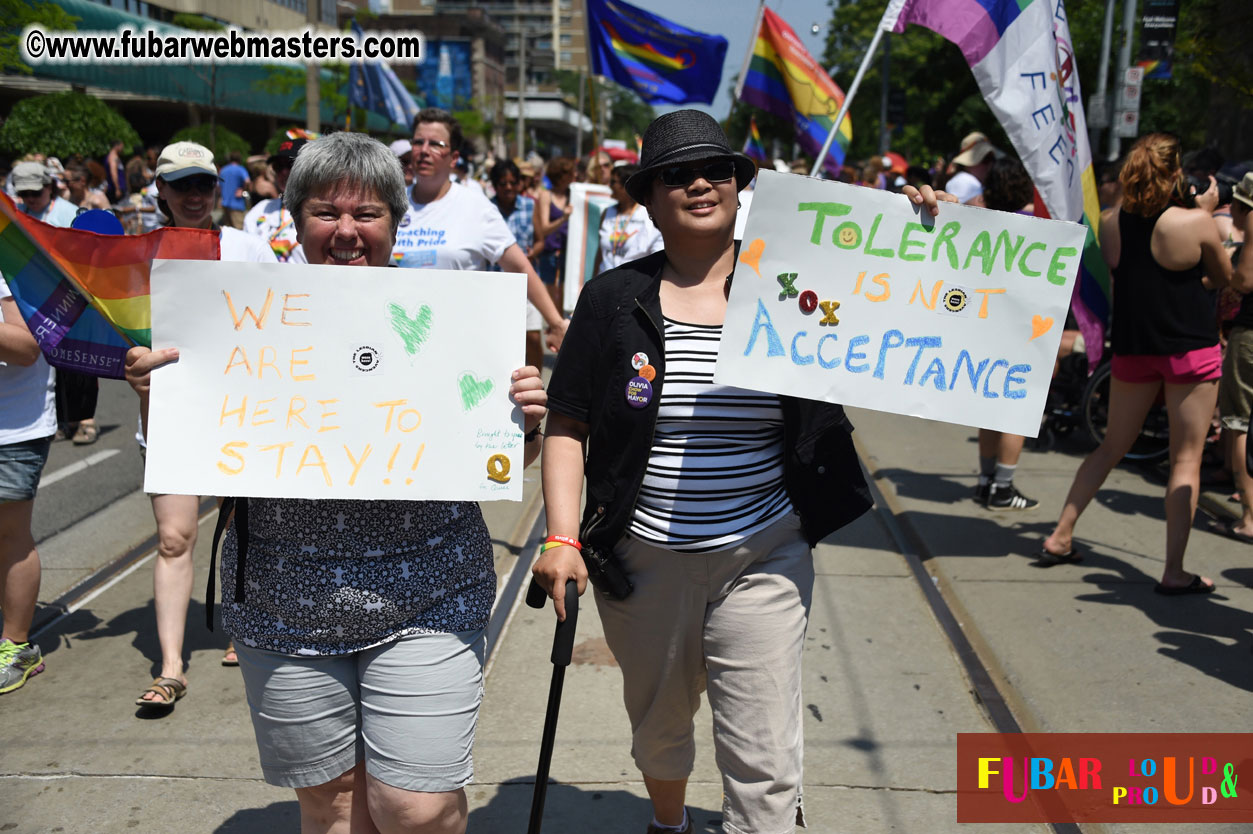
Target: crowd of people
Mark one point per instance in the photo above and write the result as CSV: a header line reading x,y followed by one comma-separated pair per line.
x,y
689,487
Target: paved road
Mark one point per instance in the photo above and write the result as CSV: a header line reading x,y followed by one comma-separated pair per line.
x,y
1077,648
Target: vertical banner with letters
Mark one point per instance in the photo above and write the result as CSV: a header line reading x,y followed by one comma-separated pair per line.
x,y
856,296
301,381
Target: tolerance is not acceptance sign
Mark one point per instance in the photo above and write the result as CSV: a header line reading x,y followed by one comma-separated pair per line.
x,y
855,296
301,381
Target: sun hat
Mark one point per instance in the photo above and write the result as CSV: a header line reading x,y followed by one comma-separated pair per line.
x,y
185,159
974,148
30,176
1243,190
684,136
287,149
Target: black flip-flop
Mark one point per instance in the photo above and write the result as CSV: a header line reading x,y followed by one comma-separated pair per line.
x,y
1196,586
1228,529
1046,558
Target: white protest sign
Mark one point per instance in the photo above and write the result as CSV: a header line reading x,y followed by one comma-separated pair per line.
x,y
301,381
587,206
852,295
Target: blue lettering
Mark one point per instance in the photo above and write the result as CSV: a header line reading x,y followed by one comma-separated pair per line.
x,y
834,363
796,357
970,371
992,395
852,353
774,345
891,339
934,372
920,342
1010,376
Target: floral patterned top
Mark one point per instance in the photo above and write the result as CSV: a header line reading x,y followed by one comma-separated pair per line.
x,y
333,577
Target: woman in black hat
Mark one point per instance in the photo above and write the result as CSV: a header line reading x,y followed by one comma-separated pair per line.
x,y
693,491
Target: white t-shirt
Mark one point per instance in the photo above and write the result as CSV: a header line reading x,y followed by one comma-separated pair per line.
x,y
461,230
625,237
270,221
240,247
965,186
28,402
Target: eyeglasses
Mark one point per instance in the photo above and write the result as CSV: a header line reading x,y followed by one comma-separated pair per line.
x,y
436,145
204,185
681,176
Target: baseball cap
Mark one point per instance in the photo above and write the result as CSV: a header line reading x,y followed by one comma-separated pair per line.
x,y
30,176
401,147
973,150
288,149
185,159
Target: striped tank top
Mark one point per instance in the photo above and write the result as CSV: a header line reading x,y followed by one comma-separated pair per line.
x,y
715,471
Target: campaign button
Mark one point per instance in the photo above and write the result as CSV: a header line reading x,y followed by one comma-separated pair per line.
x,y
639,392
648,372
639,360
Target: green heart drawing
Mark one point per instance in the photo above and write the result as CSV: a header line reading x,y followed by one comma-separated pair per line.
x,y
473,391
414,331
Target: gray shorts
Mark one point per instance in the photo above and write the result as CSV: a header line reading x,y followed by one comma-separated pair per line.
x,y
1235,392
730,623
407,708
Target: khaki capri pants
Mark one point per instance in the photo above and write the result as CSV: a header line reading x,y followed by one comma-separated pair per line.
x,y
730,623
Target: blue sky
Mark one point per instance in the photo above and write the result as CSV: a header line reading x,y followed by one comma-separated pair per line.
x,y
733,19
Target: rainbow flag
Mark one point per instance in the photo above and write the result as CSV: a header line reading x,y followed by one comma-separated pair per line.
x,y
753,148
85,295
1023,59
781,77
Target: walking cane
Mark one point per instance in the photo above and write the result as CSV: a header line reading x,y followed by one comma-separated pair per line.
x,y
563,646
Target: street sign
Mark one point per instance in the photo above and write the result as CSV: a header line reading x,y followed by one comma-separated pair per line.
x,y
1127,125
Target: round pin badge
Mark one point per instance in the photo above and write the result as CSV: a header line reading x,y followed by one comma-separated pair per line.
x,y
639,360
648,372
639,392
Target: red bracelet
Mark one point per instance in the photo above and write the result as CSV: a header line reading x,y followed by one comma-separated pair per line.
x,y
564,540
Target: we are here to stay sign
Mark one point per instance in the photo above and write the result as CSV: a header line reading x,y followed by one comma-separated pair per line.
x,y
300,381
857,296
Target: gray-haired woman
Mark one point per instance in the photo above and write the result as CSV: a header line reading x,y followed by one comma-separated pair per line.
x,y
361,635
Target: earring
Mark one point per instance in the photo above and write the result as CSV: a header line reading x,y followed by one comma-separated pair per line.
x,y
738,204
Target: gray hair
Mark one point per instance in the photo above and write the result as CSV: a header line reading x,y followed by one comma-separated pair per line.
x,y
351,159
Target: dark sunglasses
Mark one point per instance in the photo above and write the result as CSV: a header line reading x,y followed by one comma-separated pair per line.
x,y
204,185
681,176
31,195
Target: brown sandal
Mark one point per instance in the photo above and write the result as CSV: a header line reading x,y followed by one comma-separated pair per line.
x,y
167,690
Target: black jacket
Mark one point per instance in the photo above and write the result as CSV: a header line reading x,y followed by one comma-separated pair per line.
x,y
619,315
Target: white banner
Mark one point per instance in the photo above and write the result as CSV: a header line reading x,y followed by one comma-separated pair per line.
x,y
853,295
301,381
587,207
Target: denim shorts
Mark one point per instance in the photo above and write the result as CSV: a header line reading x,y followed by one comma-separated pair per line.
x,y
547,265
21,464
407,708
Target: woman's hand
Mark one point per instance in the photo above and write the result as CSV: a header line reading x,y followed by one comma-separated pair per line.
x,y
557,334
1207,199
553,568
928,198
527,391
140,362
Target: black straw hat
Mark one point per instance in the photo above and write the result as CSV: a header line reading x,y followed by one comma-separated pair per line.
x,y
684,136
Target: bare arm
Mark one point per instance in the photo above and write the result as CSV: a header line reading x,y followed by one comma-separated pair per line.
x,y
527,390
1242,279
17,345
563,487
543,207
515,260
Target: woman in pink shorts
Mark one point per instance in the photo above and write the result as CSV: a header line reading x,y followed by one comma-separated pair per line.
x,y
1166,257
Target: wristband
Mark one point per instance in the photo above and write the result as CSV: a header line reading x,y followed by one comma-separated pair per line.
x,y
532,434
560,540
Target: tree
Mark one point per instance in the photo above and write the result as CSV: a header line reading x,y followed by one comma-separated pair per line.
x,y
223,141
64,124
629,115
17,15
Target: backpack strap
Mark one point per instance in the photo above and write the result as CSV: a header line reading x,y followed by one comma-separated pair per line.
x,y
237,509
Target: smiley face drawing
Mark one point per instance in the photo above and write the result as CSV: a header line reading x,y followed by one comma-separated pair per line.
x,y
847,236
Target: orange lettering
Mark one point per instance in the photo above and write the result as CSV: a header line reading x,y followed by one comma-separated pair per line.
x,y
259,320
295,362
289,309
243,360
293,413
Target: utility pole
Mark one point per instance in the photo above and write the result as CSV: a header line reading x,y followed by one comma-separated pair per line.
x,y
1124,61
313,74
1099,115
